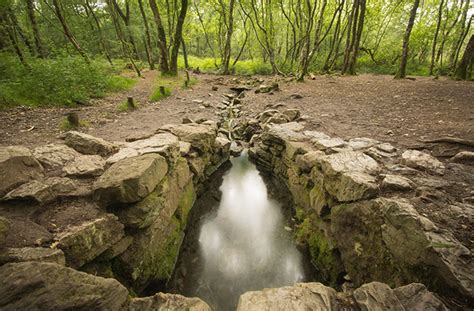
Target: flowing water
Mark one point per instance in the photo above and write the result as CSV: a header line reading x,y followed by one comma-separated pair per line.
x,y
244,244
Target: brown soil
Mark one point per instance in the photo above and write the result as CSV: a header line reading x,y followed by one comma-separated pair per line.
x,y
402,112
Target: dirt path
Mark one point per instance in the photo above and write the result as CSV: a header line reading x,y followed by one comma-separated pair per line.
x,y
401,112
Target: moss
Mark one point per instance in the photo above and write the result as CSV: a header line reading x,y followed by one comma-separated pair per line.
x,y
323,257
186,202
168,255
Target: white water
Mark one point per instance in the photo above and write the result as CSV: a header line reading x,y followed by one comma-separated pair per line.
x,y
245,245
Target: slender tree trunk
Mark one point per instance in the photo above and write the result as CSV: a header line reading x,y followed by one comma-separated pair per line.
x,y
360,28
67,32
435,39
178,35
467,60
34,26
99,31
185,54
351,32
164,65
462,35
10,32
227,47
126,19
406,39
148,47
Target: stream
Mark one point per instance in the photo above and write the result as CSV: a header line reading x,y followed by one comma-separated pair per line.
x,y
242,245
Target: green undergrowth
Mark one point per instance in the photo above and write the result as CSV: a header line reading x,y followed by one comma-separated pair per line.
x,y
170,84
62,81
242,67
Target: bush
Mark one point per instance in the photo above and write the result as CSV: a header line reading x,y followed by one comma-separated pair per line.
x,y
56,82
243,67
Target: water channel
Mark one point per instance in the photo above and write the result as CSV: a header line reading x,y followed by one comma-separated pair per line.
x,y
244,244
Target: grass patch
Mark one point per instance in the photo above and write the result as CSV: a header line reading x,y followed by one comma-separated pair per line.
x,y
243,67
166,85
62,81
67,126
124,106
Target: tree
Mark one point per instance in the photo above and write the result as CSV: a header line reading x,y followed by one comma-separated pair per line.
x,y
406,38
67,32
148,45
34,27
462,72
230,28
435,39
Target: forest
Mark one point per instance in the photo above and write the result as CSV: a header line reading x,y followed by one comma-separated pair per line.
x,y
83,44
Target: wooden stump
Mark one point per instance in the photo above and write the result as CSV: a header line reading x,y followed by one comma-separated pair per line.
x,y
73,119
162,90
130,103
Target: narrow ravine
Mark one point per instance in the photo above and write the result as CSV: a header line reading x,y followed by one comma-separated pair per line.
x,y
242,245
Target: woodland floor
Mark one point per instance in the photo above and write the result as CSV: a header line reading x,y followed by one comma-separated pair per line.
x,y
402,112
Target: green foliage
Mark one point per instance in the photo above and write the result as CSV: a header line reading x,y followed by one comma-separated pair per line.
x,y
124,107
158,95
170,84
56,82
242,67
65,125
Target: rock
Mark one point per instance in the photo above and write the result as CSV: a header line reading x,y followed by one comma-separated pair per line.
x,y
184,148
131,179
26,233
187,120
379,154
214,88
421,160
116,249
32,254
296,96
396,183
82,243
278,119
200,136
377,296
267,114
48,190
268,88
361,143
165,302
17,166
197,101
54,156
4,228
122,154
351,186
164,144
240,88
328,143
88,144
415,296
307,161
387,239
236,149
465,157
48,286
301,296
386,147
349,161
85,166
291,114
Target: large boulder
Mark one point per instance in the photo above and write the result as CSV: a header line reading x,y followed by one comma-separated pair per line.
x,y
48,190
348,175
82,243
200,136
379,296
17,166
88,144
165,144
301,296
54,156
85,166
41,254
131,179
48,286
167,302
423,161
386,239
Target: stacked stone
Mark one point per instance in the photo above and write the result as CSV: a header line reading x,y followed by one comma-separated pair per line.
x,y
364,223
115,210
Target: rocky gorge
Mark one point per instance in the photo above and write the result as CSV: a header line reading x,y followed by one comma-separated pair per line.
x,y
91,224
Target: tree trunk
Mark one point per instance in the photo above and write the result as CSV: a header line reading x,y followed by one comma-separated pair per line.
x,y
360,28
67,32
164,65
99,30
148,47
227,47
185,54
406,38
467,60
435,39
126,20
34,26
178,35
